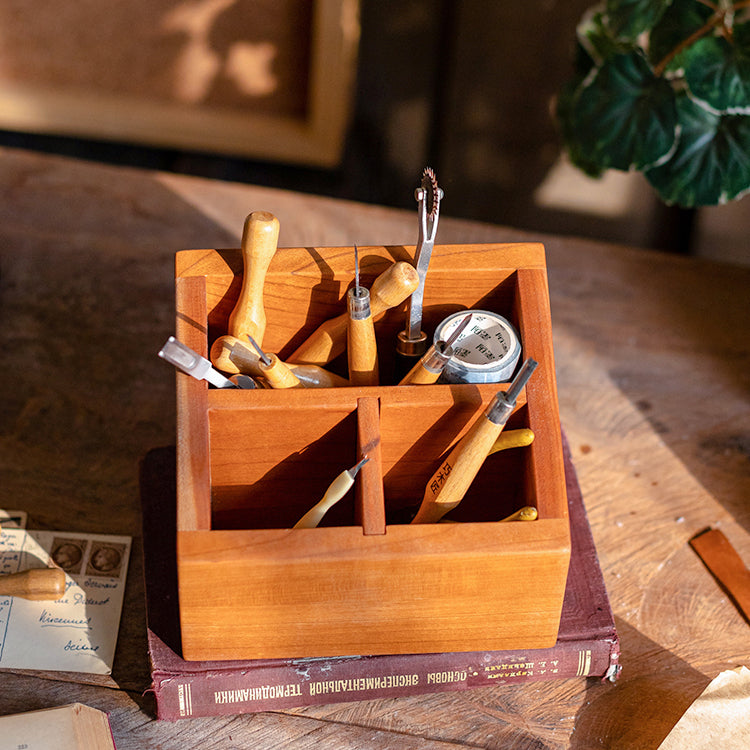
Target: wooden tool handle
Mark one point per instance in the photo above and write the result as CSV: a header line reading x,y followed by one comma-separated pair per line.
x,y
362,350
260,238
723,560
392,287
389,289
419,375
449,483
37,584
519,438
232,356
279,375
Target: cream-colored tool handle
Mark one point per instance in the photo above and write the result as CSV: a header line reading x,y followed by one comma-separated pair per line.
x,y
260,238
389,289
279,375
37,584
362,351
338,488
233,356
449,483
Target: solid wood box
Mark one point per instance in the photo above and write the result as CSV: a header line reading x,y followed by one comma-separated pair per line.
x,y
251,463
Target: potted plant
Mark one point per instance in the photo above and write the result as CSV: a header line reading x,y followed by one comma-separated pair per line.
x,y
663,87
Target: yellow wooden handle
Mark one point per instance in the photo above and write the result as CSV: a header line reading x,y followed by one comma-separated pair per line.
x,y
519,438
37,584
260,238
362,351
449,483
279,375
389,289
419,375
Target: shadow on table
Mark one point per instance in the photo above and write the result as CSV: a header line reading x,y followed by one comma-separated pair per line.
x,y
653,692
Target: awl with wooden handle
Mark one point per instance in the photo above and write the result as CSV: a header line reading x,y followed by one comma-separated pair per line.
x,y
37,584
260,237
276,372
361,346
433,362
231,355
389,289
448,485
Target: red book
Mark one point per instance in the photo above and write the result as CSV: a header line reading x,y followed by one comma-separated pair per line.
x,y
587,643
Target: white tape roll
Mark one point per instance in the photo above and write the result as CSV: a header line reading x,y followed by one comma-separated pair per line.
x,y
486,352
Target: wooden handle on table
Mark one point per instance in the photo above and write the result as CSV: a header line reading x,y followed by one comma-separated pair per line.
x,y
260,238
362,350
389,289
233,356
37,584
449,483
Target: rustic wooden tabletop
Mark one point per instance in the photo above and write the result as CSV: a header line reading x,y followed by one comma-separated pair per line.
x,y
653,367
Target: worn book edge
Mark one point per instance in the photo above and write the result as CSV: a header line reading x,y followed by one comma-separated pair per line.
x,y
587,644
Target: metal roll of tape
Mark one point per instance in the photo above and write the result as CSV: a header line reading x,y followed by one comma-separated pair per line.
x,y
486,352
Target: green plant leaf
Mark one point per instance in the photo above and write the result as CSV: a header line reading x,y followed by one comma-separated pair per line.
x,y
718,71
682,19
712,161
622,117
629,18
596,38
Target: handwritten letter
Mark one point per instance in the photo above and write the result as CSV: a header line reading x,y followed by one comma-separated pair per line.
x,y
78,632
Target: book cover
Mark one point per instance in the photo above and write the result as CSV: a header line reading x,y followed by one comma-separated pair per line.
x,y
587,643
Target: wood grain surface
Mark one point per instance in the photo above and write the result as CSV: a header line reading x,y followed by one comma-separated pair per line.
x,y
652,362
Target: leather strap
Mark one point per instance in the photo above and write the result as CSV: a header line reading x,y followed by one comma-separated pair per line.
x,y
721,558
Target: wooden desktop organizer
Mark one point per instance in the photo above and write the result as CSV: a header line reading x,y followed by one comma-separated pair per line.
x,y
251,463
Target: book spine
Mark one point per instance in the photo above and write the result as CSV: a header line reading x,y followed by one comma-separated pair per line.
x,y
310,682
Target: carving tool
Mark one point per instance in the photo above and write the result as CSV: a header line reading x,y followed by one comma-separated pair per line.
x,y
389,289
412,341
519,438
185,359
361,346
37,584
429,368
274,370
338,488
260,237
230,355
449,483
487,352
527,513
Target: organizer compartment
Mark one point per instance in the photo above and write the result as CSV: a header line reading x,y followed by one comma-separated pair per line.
x,y
250,463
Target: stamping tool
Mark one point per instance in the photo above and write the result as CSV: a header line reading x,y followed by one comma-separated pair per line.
x,y
431,365
389,289
338,488
276,372
412,341
232,356
448,485
185,359
361,346
260,237
37,584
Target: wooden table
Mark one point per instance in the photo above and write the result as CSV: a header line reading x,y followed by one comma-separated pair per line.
x,y
653,361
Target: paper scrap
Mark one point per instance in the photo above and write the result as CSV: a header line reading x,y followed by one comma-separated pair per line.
x,y
77,633
718,718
